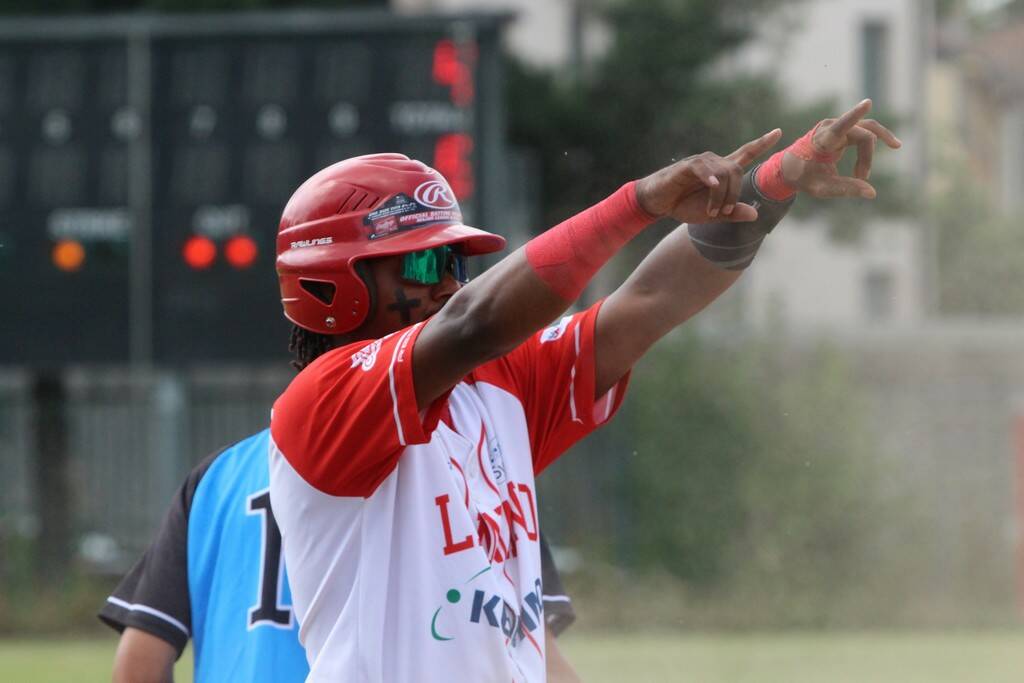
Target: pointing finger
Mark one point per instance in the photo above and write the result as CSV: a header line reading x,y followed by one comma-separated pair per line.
x,y
746,154
844,123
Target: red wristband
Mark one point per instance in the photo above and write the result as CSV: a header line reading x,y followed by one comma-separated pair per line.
x,y
769,180
568,255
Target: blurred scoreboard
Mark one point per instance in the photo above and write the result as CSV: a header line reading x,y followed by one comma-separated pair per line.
x,y
144,163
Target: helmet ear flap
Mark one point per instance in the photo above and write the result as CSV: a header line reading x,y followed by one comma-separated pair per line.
x,y
319,289
351,304
333,303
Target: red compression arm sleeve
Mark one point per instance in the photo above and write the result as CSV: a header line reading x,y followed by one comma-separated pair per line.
x,y
769,178
568,255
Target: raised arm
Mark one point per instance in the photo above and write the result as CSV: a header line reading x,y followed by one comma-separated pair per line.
x,y
694,265
528,289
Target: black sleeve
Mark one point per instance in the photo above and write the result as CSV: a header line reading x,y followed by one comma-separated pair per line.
x,y
154,596
558,612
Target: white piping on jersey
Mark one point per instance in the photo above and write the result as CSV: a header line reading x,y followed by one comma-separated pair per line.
x,y
391,384
609,399
572,376
556,598
149,610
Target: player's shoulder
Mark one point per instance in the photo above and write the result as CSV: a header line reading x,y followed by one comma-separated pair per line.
x,y
334,378
362,354
332,366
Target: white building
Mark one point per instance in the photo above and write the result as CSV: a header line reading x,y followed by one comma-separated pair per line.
x,y
992,111
846,50
843,50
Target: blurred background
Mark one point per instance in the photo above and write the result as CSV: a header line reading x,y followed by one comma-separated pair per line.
x,y
820,478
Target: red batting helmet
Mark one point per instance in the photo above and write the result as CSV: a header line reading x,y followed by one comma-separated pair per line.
x,y
360,208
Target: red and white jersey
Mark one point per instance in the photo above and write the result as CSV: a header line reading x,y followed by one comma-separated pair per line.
x,y
411,538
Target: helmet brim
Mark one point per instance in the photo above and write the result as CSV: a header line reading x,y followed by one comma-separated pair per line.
x,y
474,241
328,258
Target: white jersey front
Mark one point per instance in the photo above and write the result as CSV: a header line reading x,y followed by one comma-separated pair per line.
x,y
411,539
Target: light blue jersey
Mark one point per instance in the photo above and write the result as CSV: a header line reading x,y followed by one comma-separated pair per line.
x,y
249,632
215,573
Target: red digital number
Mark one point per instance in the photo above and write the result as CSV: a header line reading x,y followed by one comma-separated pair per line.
x,y
452,159
453,68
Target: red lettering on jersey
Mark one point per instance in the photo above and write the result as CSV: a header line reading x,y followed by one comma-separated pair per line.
x,y
518,515
499,539
450,546
535,534
490,538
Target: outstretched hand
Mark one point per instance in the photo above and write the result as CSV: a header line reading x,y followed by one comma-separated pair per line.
x,y
704,187
810,164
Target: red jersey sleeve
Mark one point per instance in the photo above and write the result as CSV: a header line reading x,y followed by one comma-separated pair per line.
x,y
553,375
344,421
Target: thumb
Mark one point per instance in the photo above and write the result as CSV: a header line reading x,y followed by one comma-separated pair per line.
x,y
742,213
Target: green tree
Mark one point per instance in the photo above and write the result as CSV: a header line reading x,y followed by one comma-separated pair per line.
x,y
650,98
660,93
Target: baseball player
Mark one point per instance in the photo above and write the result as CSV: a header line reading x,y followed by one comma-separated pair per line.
x,y
215,573
403,456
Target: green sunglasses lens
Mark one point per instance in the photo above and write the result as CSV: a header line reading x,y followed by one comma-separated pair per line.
x,y
426,267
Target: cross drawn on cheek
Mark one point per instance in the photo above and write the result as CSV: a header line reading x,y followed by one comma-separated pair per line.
x,y
404,305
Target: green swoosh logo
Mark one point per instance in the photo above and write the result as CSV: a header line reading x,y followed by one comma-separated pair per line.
x,y
482,571
433,627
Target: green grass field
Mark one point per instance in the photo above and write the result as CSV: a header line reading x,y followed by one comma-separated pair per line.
x,y
974,657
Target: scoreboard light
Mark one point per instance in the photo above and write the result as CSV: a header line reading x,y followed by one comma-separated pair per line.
x,y
451,70
199,252
227,131
452,160
68,255
241,251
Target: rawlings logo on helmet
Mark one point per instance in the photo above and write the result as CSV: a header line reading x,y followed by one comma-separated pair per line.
x,y
435,194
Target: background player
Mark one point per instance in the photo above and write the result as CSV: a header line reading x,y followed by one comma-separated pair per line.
x,y
403,462
215,573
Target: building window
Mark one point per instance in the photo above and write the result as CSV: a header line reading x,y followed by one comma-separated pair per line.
x,y
879,295
874,44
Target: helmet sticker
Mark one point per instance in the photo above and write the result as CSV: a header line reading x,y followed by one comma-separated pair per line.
x,y
436,194
401,212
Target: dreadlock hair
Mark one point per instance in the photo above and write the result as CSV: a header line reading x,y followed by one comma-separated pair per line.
x,y
307,346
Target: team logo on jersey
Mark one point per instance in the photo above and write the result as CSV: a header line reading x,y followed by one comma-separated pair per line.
x,y
496,460
555,332
494,611
435,194
367,356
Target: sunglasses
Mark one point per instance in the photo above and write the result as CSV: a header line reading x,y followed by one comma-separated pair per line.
x,y
428,267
